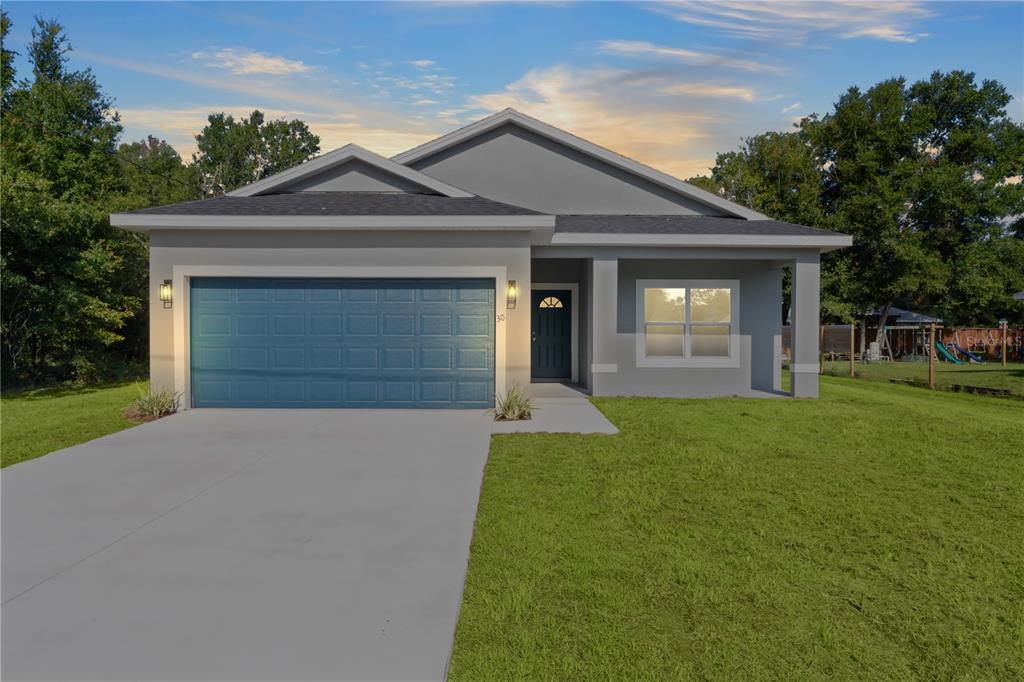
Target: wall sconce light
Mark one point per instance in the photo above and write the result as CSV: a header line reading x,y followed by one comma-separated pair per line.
x,y
512,296
166,293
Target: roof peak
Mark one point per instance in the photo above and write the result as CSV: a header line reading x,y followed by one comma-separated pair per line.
x,y
339,156
596,151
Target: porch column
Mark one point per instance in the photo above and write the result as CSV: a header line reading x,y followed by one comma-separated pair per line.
x,y
806,304
604,307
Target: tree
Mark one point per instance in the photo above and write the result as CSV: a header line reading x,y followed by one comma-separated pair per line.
x,y
774,173
926,179
921,176
966,193
235,153
66,285
153,174
779,174
6,61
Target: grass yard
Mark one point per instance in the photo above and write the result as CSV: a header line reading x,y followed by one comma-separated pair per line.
x,y
988,375
876,533
35,423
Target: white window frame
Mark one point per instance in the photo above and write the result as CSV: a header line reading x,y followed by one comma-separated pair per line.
x,y
733,359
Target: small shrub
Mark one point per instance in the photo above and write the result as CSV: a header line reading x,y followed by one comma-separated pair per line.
x,y
150,406
513,406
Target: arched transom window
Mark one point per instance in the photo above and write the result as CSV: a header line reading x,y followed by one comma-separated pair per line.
x,y
550,302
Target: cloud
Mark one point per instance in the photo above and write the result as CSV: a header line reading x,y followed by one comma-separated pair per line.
x,y
272,90
616,109
423,63
243,61
889,33
429,82
790,23
710,90
337,117
639,48
423,101
791,108
179,127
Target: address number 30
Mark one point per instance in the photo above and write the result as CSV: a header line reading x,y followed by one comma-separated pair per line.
x,y
500,317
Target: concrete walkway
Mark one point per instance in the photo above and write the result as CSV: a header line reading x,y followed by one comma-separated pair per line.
x,y
233,544
560,408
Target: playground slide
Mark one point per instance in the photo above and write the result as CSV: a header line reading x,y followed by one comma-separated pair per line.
x,y
974,358
946,355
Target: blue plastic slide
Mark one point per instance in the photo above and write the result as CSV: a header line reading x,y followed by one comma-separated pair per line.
x,y
974,358
946,355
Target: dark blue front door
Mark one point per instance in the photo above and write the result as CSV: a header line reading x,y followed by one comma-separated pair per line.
x,y
342,342
551,334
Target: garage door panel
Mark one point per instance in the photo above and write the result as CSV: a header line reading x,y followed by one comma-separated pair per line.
x,y
361,359
251,324
399,358
325,358
399,324
364,324
342,343
325,324
252,358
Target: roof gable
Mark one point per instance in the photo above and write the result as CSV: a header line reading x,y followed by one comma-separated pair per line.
x,y
349,168
424,156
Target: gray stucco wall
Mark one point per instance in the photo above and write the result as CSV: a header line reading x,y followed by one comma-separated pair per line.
x,y
305,249
353,176
760,325
519,167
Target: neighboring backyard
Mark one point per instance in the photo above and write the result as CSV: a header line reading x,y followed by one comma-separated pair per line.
x,y
876,533
986,375
34,423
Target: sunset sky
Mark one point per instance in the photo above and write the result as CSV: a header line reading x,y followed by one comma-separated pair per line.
x,y
667,84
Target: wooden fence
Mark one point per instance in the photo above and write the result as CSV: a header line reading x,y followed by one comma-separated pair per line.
x,y
908,341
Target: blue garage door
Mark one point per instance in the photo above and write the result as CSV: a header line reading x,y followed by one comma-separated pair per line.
x,y
342,342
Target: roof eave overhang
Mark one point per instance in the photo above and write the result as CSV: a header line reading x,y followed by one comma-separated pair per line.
x,y
146,222
818,242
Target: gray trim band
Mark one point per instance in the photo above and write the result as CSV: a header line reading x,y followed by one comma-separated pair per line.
x,y
242,222
728,240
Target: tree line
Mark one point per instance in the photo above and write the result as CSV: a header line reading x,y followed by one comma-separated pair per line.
x,y
925,176
73,290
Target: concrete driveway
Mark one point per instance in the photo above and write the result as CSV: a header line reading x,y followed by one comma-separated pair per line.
x,y
233,544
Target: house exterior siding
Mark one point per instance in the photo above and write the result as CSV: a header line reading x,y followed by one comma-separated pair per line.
x,y
354,176
516,166
513,198
760,329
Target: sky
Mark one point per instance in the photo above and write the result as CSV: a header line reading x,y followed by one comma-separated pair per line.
x,y
668,84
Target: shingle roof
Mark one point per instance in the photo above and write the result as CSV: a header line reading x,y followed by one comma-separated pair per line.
x,y
680,224
908,316
340,204
412,204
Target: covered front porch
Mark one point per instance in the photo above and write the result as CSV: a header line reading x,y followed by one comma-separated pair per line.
x,y
672,322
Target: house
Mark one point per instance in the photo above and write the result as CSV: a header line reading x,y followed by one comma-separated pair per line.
x,y
505,252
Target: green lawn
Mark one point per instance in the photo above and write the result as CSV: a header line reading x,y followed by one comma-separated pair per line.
x,y
989,374
34,423
876,533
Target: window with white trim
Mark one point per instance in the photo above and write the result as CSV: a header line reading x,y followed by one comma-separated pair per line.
x,y
684,323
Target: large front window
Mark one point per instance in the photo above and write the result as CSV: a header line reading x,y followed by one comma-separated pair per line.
x,y
687,322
